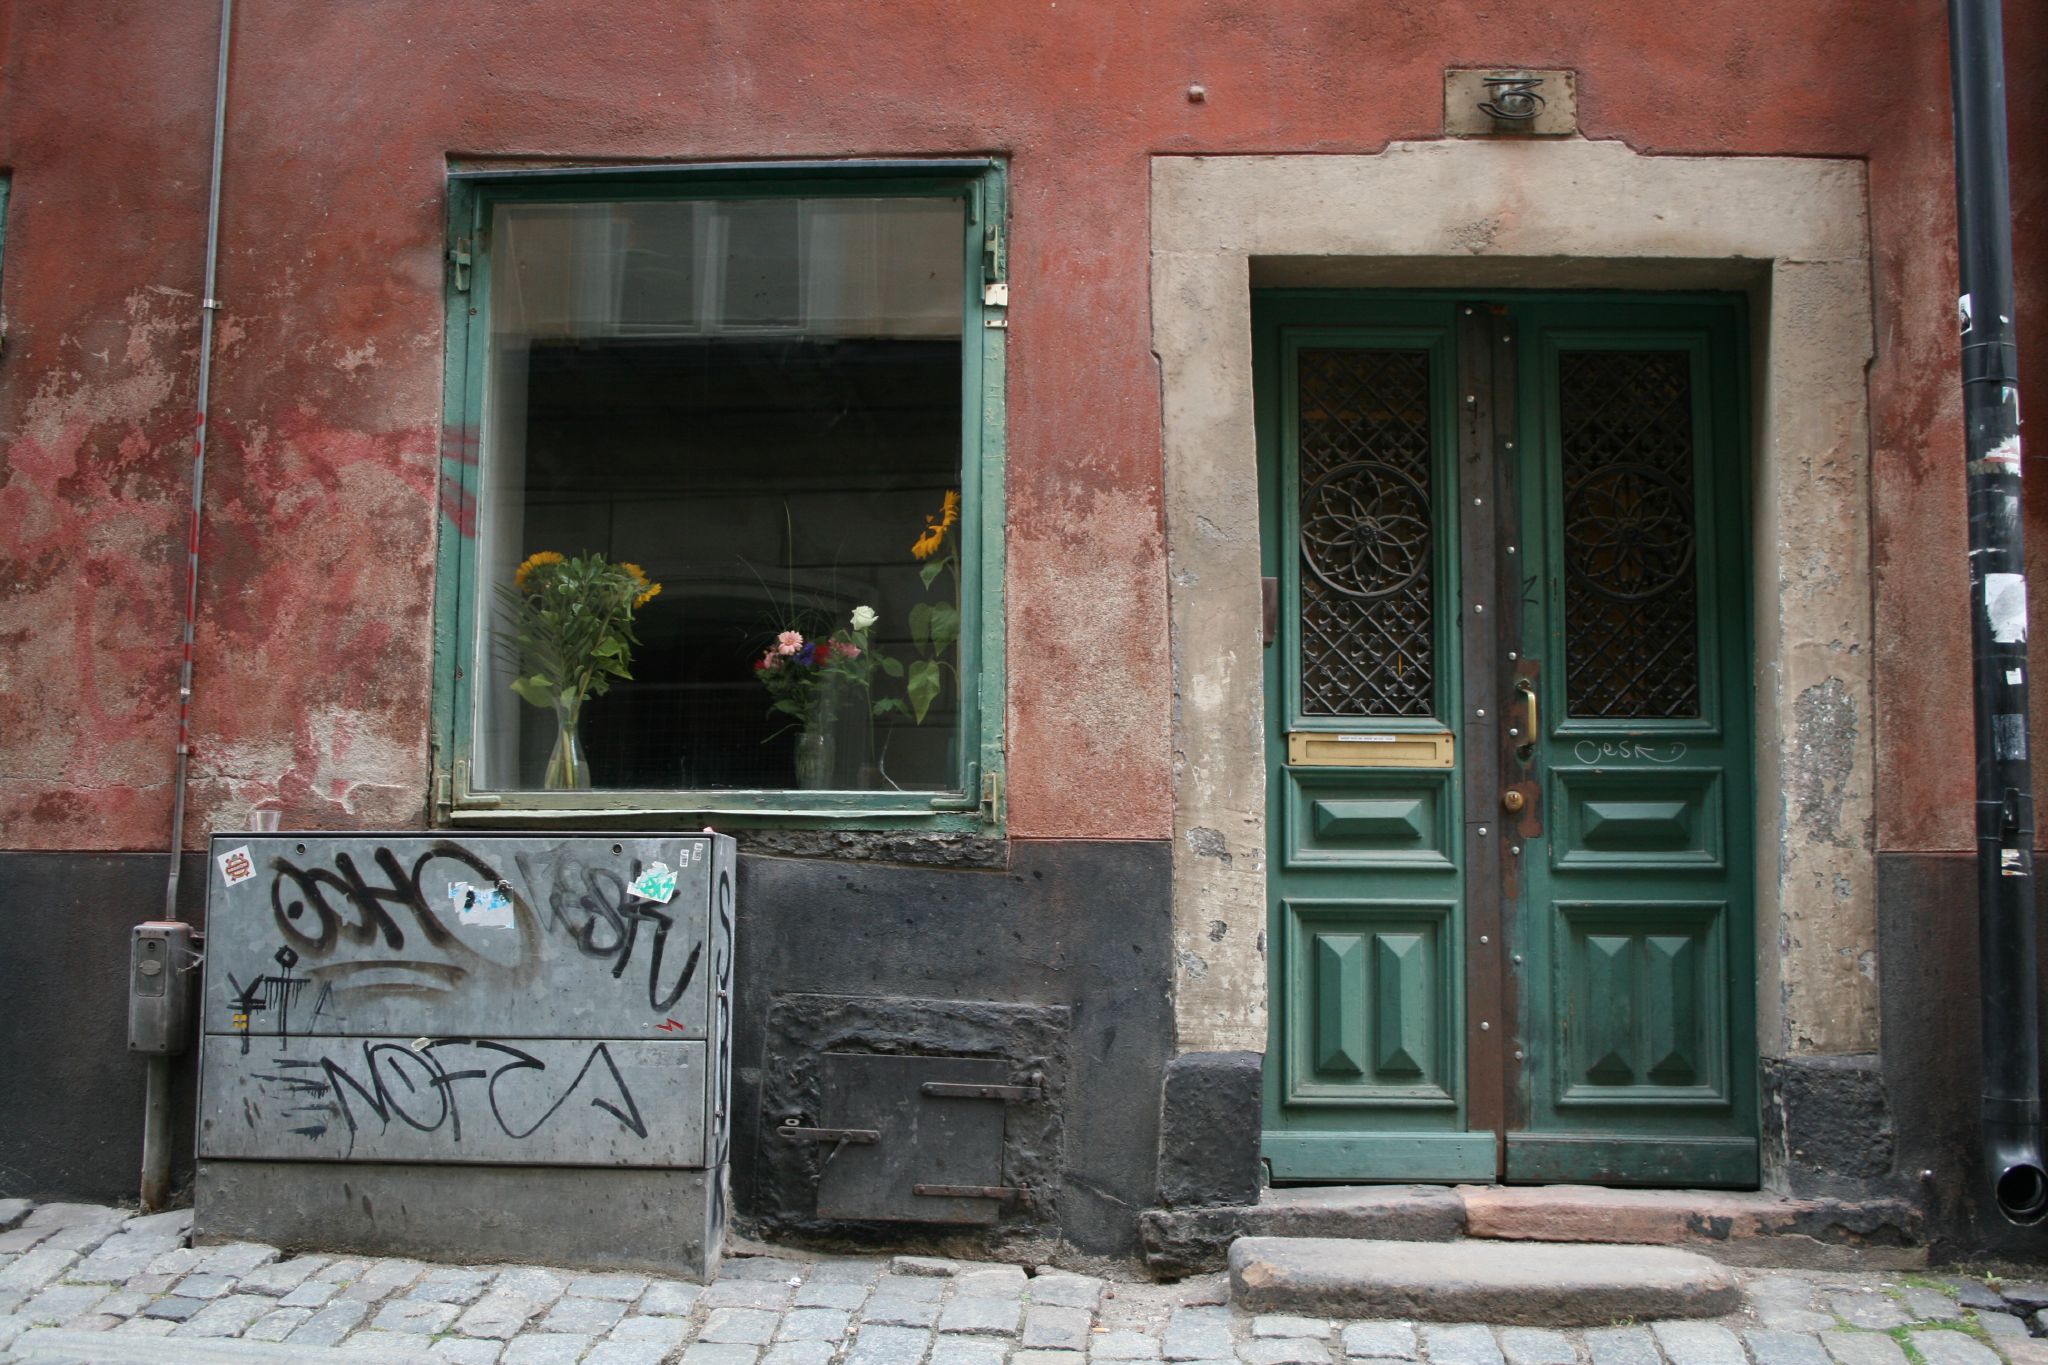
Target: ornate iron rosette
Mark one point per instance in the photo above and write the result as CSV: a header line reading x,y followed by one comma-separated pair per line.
x,y
1628,532
1365,529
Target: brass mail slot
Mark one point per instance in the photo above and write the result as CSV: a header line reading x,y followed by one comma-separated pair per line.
x,y
1318,749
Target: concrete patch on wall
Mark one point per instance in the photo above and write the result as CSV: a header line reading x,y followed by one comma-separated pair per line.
x,y
1793,231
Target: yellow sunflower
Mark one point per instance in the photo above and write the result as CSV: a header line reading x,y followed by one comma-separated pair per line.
x,y
534,561
935,528
649,590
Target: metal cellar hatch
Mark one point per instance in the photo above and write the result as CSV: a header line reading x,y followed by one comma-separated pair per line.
x,y
914,1139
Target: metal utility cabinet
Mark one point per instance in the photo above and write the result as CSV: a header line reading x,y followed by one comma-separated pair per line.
x,y
469,1047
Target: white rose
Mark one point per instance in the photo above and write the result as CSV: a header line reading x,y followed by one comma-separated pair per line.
x,y
863,618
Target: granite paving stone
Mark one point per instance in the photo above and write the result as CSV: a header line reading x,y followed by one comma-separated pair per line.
x,y
850,1270
312,1294
739,1327
1796,1319
1065,1291
761,1268
1460,1344
328,1326
720,1353
1942,1347
2027,1295
893,1311
1384,1340
910,1287
226,1317
624,1288
35,1269
1622,1346
2000,1324
341,1271
1928,1305
1123,1345
1283,1351
451,1284
277,1324
813,1324
994,1281
669,1297
1867,1308
888,1346
1050,1327
92,1322
281,1277
238,1258
381,1280
800,1353
1862,1348
668,1331
59,1303
1282,1325
1972,1293
1699,1343
466,1350
831,1294
546,1348
378,1345
147,1327
174,1309
530,1282
1539,1346
123,1303
1071,1358
588,1317
769,1294
12,1211
1770,1347
177,1261
627,1353
985,1317
956,1350
418,1317
203,1286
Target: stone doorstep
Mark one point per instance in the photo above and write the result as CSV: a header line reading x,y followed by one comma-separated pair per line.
x,y
1515,1283
112,1348
1737,1227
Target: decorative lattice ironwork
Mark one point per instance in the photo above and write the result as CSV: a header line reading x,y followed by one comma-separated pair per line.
x,y
1367,616
1630,538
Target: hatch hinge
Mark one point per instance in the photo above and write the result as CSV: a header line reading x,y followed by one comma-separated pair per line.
x,y
967,1090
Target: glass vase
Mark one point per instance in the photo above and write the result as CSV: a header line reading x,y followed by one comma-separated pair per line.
x,y
816,753
568,769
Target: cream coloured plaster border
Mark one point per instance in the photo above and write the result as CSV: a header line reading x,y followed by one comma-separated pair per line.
x,y
1792,232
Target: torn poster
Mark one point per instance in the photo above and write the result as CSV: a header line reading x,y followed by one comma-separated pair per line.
x,y
2005,602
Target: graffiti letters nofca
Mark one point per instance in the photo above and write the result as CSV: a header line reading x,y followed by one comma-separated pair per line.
x,y
483,999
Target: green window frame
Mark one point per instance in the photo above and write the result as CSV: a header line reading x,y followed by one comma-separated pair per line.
x,y
975,802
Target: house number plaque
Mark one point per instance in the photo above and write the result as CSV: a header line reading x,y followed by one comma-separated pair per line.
x,y
1510,102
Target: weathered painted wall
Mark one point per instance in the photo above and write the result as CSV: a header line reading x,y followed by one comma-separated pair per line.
x,y
315,651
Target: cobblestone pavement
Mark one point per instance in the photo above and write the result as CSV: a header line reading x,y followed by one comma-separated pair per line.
x,y
72,1268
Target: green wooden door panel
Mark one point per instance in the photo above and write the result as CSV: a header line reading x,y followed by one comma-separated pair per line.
x,y
1629,918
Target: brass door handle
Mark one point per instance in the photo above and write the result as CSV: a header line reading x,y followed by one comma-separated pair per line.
x,y
1527,689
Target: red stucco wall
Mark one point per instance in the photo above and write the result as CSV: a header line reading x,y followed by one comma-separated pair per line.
x,y
315,644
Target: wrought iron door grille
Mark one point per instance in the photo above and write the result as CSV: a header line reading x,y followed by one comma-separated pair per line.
x,y
1630,535
1367,611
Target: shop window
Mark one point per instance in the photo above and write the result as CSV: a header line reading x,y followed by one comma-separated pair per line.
x,y
722,506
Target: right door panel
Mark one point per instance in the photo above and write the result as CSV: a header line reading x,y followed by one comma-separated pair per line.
x,y
1632,938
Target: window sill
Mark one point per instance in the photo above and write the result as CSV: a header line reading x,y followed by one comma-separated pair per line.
x,y
951,813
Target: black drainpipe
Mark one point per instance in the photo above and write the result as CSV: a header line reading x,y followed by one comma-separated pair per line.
x,y
2011,1114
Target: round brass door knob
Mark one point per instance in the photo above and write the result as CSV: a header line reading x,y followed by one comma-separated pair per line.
x,y
1511,800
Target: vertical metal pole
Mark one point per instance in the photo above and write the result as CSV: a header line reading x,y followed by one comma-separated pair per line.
x,y
156,1114
156,1135
2010,1000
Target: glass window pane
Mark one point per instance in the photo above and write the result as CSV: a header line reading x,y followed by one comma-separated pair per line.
x,y
758,403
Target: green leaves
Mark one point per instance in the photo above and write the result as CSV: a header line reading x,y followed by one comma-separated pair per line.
x,y
535,690
570,628
922,686
933,568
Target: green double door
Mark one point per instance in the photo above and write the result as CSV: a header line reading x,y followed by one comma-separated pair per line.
x,y
1508,724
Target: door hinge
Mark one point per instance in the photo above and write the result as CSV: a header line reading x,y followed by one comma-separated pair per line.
x,y
441,802
994,262
967,1090
458,262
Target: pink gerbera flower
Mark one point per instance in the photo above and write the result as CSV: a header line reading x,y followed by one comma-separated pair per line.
x,y
789,642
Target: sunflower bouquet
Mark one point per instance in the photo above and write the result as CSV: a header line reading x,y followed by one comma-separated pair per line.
x,y
571,633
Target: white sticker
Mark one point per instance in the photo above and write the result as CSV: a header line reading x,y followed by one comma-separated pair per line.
x,y
2013,676
2005,602
482,905
656,884
236,866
